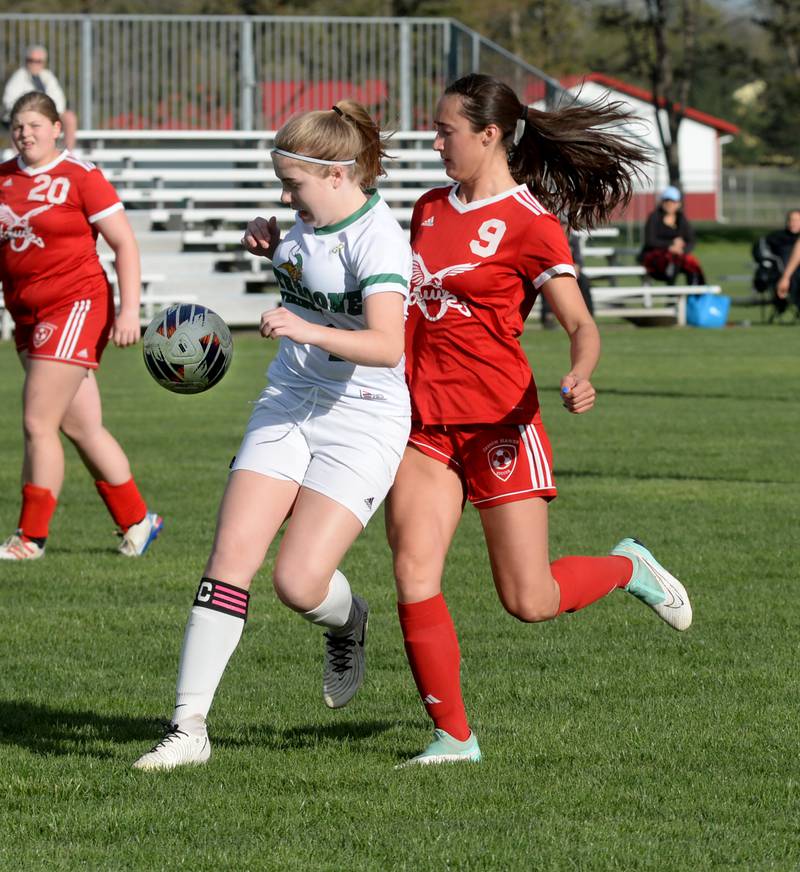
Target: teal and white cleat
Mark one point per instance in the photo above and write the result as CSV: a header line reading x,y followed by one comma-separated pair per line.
x,y
138,538
653,585
445,749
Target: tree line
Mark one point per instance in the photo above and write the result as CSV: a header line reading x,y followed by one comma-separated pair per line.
x,y
737,60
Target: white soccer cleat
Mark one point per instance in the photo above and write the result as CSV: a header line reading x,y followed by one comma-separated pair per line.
x,y
137,538
345,666
178,747
654,586
18,548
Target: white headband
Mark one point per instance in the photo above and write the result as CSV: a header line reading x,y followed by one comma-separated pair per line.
x,y
314,160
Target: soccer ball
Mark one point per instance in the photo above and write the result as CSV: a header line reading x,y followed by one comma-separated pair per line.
x,y
187,348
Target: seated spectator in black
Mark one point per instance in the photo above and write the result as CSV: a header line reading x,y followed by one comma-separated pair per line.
x,y
788,287
668,242
782,243
35,76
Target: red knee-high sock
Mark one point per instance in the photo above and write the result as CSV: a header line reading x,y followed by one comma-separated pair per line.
x,y
583,580
38,505
123,501
432,650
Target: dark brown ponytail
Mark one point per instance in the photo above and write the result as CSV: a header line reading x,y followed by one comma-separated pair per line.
x,y
571,158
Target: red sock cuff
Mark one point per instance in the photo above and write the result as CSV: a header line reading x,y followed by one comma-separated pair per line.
x,y
38,506
123,501
428,613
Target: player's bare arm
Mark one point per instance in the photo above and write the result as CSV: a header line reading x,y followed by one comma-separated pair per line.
x,y
564,297
380,344
117,232
262,236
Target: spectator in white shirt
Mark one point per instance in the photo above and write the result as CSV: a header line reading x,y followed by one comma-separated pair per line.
x,y
35,76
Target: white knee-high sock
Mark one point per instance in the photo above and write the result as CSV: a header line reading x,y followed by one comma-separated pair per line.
x,y
335,610
212,634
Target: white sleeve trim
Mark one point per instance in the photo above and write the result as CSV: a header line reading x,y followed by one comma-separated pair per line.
x,y
105,213
384,288
560,269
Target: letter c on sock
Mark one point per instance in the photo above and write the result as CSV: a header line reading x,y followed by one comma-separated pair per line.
x,y
204,591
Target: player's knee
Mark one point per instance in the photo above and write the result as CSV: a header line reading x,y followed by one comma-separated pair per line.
x,y
36,426
532,613
416,579
297,585
532,607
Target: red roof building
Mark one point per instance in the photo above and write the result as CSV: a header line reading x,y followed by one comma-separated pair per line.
x,y
700,140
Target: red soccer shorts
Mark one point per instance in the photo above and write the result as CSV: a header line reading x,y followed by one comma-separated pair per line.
x,y
75,332
497,463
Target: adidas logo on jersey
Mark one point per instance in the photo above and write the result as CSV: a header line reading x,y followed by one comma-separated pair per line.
x,y
8,183
428,222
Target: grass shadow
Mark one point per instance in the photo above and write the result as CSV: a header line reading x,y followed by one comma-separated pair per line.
x,y
673,476
310,736
43,729
48,730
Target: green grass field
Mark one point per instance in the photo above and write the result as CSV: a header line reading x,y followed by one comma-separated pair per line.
x,y
610,741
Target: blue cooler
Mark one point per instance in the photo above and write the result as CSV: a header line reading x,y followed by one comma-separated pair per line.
x,y
707,310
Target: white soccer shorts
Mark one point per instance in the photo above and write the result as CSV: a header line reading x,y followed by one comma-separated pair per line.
x,y
340,450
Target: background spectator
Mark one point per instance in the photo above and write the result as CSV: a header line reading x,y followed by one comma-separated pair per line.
x,y
668,241
34,76
781,243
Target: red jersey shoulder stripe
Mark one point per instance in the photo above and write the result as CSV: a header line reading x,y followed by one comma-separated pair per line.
x,y
526,199
84,164
536,201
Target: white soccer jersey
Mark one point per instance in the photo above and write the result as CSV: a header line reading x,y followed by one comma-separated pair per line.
x,y
324,275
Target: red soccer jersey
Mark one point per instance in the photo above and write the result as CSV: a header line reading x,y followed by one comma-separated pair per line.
x,y
48,250
477,270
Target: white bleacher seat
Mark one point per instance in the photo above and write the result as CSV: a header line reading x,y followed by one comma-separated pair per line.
x,y
250,136
656,301
150,299
207,175
242,216
193,195
133,156
599,233
599,251
611,271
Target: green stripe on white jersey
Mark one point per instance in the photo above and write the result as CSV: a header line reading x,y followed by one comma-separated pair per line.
x,y
324,275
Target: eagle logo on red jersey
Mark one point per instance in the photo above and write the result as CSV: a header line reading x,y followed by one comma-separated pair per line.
x,y
17,228
427,291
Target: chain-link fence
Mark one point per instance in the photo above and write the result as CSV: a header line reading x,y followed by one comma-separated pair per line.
x,y
252,73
